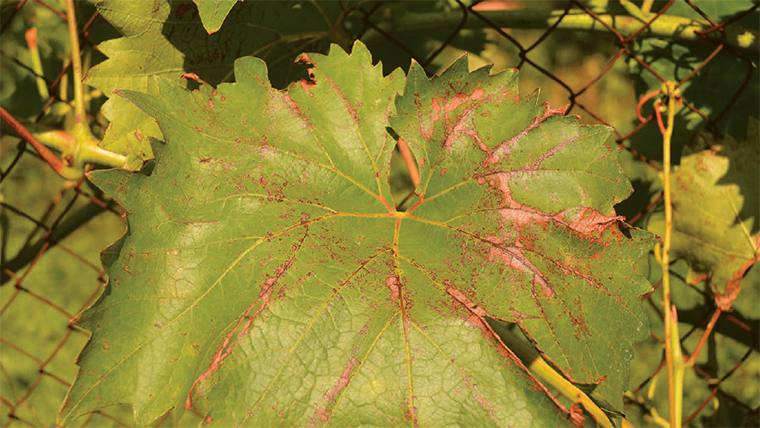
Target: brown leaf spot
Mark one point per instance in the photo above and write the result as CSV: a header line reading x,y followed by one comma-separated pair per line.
x,y
230,341
576,415
303,59
333,394
305,85
734,285
392,283
456,101
548,291
466,302
519,316
436,105
514,211
504,148
581,329
192,76
411,413
324,414
589,221
343,380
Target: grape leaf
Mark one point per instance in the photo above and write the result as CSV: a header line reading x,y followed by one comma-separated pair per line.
x,y
213,12
716,212
266,278
168,39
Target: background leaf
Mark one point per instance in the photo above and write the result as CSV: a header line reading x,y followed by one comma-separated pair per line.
x,y
720,237
722,85
213,12
168,39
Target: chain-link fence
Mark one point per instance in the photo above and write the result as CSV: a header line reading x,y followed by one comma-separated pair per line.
x,y
603,59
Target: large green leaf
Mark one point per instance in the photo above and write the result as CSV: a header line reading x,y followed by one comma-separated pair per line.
x,y
266,278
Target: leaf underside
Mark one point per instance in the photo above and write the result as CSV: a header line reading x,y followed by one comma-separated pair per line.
x,y
267,279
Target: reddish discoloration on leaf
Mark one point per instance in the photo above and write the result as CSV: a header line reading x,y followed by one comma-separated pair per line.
x,y
192,76
519,316
436,103
305,85
456,101
464,300
393,286
411,413
303,59
477,319
516,213
591,221
734,285
230,341
331,396
581,327
513,258
504,148
576,415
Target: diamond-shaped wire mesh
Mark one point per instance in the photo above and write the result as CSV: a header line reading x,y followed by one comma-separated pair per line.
x,y
53,230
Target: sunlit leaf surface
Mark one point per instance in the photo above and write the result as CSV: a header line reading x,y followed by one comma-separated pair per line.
x,y
266,278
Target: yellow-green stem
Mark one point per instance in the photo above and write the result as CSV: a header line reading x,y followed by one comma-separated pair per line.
x,y
646,7
671,332
678,369
76,63
34,53
546,374
634,11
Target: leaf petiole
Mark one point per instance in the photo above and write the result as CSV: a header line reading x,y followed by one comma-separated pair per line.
x,y
545,373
